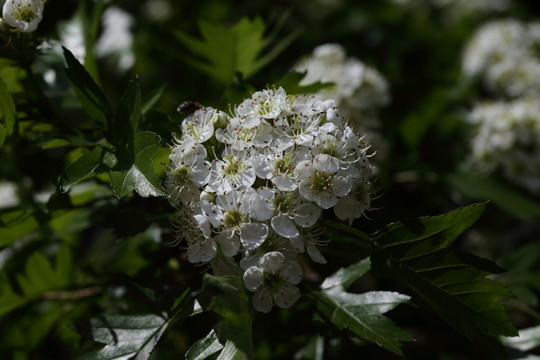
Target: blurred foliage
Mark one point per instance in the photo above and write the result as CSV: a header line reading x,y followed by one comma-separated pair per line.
x,y
85,248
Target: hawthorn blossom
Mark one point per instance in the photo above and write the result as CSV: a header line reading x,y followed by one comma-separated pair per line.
x,y
25,15
273,282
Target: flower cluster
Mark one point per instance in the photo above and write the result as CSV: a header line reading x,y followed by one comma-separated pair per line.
x,y
503,54
24,15
254,184
508,137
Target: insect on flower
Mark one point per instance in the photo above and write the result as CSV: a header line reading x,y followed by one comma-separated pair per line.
x,y
189,107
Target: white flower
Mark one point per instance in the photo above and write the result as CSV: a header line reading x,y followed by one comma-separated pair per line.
x,y
355,204
24,15
235,171
273,281
189,172
240,136
322,181
199,126
266,104
116,40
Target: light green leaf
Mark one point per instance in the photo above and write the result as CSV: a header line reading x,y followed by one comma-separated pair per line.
x,y
88,92
3,135
227,50
452,283
39,277
205,347
87,166
138,174
234,308
231,352
361,313
7,109
504,196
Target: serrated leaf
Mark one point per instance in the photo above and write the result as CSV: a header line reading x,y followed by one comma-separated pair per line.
x,y
291,83
205,347
361,313
7,109
39,277
452,283
87,166
88,92
132,336
504,196
138,173
234,308
227,50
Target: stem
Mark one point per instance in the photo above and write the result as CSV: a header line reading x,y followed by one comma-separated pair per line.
x,y
362,235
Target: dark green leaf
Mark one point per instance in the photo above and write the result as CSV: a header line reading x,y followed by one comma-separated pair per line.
x,y
7,109
450,282
504,196
205,347
234,308
126,121
88,92
16,224
138,174
151,99
135,336
361,313
88,165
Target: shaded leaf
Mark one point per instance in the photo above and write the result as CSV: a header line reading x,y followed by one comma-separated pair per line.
x,y
450,282
361,313
504,196
151,99
126,120
88,92
205,347
87,166
234,308
16,224
7,110
138,173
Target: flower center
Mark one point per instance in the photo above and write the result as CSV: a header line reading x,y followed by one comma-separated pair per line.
x,y
181,175
25,13
283,165
284,203
321,182
331,149
232,167
233,218
272,281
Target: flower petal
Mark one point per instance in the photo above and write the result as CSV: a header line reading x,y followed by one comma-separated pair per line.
x,y
253,235
253,278
262,300
283,226
286,296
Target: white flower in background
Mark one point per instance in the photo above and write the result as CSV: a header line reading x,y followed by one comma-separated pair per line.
x,y
116,40
25,15
256,182
8,194
507,138
273,282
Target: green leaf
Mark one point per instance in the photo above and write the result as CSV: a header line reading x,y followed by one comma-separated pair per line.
x,y
87,166
126,121
16,224
126,337
234,308
138,174
291,83
151,99
504,196
361,313
88,92
205,347
528,339
39,277
451,283
7,110
132,336
522,278
223,51
231,352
